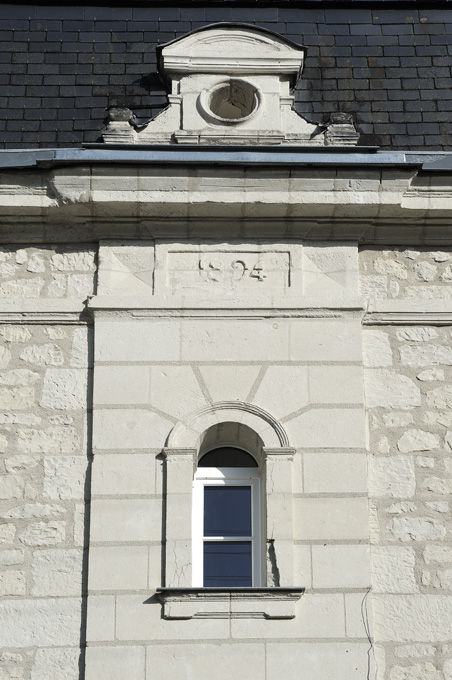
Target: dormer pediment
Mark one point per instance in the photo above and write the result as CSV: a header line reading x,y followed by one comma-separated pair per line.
x,y
233,49
230,84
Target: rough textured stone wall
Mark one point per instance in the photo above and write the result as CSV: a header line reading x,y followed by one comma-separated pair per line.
x,y
47,271
411,273
409,395
43,466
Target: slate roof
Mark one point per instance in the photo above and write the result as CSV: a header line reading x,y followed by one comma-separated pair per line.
x,y
61,67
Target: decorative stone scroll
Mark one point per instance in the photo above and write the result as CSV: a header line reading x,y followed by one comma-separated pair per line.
x,y
230,84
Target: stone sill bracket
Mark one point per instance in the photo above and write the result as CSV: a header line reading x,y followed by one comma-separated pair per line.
x,y
229,603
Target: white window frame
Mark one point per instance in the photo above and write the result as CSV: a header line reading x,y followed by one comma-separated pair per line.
x,y
232,476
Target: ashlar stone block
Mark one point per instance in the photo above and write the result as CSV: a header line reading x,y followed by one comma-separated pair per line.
x,y
54,664
64,477
293,397
57,572
100,623
393,569
338,660
335,472
115,663
64,389
340,566
392,476
118,568
327,428
330,518
137,341
121,385
129,429
197,660
412,618
40,623
325,340
126,520
125,474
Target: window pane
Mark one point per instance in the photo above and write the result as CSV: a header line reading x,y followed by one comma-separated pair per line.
x,y
227,511
227,564
227,456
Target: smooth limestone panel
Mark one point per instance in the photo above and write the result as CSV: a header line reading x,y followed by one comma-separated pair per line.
x,y
137,341
100,624
204,661
118,567
234,340
317,616
115,663
129,429
334,472
125,520
317,661
340,566
326,340
123,474
138,617
328,428
336,385
121,385
331,518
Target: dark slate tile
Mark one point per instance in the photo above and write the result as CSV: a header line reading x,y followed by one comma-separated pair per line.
x,y
60,11
45,25
393,16
23,125
43,68
215,14
348,16
78,25
192,13
397,29
144,26
14,12
110,25
365,29
108,13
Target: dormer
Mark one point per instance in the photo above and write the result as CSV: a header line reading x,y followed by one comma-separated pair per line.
x,y
229,84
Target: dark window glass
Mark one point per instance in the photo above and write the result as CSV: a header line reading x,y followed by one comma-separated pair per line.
x,y
227,564
227,511
227,456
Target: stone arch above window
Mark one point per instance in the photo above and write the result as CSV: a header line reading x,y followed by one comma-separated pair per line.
x,y
203,425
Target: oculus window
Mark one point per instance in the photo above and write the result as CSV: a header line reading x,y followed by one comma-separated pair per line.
x,y
227,526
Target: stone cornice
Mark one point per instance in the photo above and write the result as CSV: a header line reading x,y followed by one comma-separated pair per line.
x,y
229,603
409,312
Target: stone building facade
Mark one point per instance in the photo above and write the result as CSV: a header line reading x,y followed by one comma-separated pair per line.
x,y
237,272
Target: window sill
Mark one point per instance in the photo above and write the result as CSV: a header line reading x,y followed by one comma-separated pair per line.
x,y
229,603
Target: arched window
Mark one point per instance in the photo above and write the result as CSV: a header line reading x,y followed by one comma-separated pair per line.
x,y
227,525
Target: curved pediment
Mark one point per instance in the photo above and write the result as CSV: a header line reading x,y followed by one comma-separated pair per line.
x,y
232,48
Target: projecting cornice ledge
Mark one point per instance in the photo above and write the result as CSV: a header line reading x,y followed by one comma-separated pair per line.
x,y
408,312
229,603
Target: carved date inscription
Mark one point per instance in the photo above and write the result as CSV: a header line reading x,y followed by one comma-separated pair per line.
x,y
221,271
215,271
